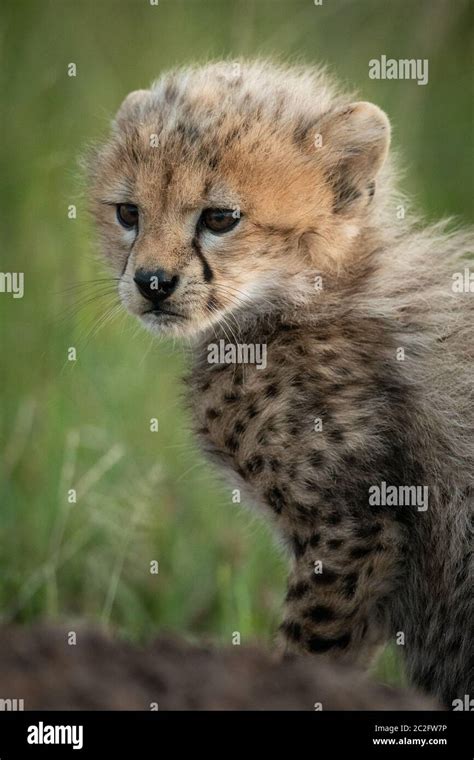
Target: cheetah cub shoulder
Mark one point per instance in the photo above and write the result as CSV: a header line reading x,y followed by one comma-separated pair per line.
x,y
252,208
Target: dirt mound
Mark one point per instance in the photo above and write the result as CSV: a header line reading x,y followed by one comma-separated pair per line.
x,y
39,666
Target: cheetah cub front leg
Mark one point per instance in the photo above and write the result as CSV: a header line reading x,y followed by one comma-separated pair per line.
x,y
314,486
336,602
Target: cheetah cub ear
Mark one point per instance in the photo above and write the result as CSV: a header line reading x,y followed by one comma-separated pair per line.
x,y
357,140
131,108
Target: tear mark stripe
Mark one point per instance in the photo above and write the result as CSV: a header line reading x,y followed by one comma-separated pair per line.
x,y
207,271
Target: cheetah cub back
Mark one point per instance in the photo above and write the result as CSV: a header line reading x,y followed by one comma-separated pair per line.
x,y
251,207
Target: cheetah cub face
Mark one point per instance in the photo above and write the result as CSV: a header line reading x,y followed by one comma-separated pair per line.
x,y
222,191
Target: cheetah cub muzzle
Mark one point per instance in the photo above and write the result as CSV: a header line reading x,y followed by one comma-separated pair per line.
x,y
252,208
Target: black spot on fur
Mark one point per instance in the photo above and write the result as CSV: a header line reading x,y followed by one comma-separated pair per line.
x,y
321,644
358,552
320,614
368,531
239,427
326,577
291,629
276,499
255,464
275,464
299,545
271,390
252,411
305,513
298,591
336,434
350,584
213,414
316,458
335,543
232,443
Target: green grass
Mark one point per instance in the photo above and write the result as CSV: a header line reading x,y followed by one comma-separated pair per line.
x,y
146,496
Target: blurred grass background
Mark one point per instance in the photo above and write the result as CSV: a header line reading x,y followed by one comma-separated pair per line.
x,y
146,496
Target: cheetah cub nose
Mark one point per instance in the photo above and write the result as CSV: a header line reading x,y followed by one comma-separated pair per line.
x,y
156,286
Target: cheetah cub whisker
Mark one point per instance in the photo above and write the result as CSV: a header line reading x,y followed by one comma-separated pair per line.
x,y
255,206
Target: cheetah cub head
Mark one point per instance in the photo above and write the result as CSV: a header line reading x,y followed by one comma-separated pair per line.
x,y
223,189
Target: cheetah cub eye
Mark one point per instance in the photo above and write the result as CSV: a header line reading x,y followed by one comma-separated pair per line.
x,y
218,220
127,215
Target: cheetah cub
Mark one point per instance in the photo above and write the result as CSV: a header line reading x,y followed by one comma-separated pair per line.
x,y
252,208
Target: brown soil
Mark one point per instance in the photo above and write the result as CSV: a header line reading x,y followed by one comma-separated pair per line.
x,y
39,666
